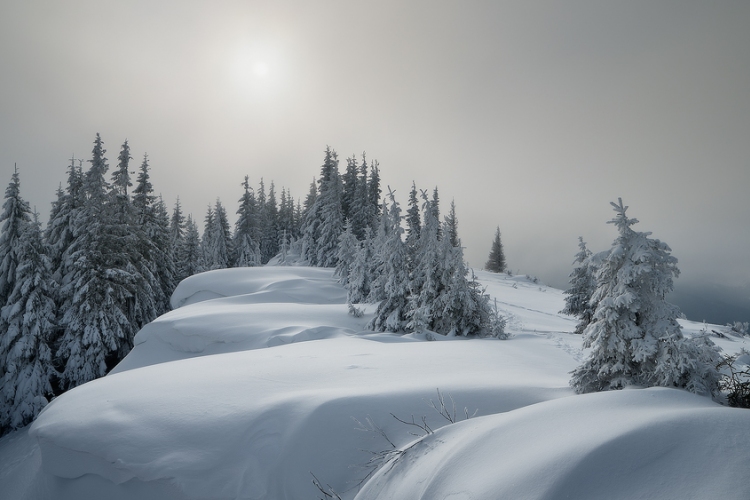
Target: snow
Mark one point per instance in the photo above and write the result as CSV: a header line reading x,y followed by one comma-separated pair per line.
x,y
255,382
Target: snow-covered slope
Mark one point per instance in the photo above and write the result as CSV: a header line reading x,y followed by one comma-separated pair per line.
x,y
261,379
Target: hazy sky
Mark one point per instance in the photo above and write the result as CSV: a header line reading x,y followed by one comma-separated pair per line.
x,y
532,115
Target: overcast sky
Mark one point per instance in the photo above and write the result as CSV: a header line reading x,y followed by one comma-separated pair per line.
x,y
532,115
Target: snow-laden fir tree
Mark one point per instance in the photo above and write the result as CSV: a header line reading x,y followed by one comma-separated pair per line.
x,y
426,272
324,220
349,189
377,265
496,261
373,195
28,326
360,210
62,220
464,308
582,287
217,239
15,218
634,336
451,226
413,221
246,245
391,312
177,224
192,262
268,215
97,292
361,271
347,254
156,262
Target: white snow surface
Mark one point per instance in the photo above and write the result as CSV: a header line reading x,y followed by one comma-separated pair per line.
x,y
260,379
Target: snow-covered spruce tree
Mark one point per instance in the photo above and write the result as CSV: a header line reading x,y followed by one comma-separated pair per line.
x,y
360,209
15,218
349,189
97,292
124,230
377,267
193,253
61,223
582,287
217,241
426,273
162,239
464,308
634,335
221,252
451,226
155,262
360,272
413,221
268,215
287,225
373,195
324,221
347,253
391,312
496,261
177,224
28,323
246,246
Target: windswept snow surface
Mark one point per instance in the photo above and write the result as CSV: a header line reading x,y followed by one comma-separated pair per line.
x,y
260,378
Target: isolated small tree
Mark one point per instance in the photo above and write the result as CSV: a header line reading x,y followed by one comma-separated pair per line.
x,y
634,335
496,261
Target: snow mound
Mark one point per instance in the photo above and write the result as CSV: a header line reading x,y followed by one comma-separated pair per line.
x,y
301,285
650,443
254,424
239,309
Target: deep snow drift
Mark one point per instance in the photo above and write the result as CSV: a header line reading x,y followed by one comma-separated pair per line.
x,y
260,378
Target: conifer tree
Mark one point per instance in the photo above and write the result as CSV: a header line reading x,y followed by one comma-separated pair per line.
x,y
15,218
347,252
391,312
361,271
582,287
247,247
177,224
28,323
323,221
349,193
207,241
451,226
155,262
634,336
193,253
61,226
97,292
413,220
361,212
270,222
373,194
217,245
426,284
496,261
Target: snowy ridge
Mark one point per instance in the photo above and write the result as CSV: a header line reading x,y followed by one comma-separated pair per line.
x,y
246,394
